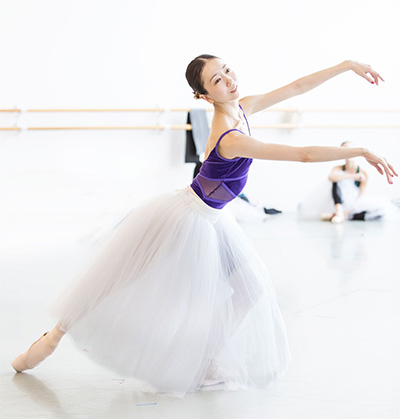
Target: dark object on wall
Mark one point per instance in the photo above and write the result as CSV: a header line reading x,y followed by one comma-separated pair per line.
x,y
196,138
197,169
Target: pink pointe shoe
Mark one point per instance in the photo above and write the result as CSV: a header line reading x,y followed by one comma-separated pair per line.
x,y
334,218
36,353
337,219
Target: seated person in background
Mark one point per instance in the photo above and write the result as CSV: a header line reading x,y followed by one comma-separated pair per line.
x,y
348,185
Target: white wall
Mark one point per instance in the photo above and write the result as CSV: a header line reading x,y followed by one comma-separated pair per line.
x,y
116,54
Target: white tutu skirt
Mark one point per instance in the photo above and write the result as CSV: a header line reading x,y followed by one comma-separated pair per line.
x,y
179,300
320,200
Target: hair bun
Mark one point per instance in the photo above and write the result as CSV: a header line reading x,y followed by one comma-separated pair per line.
x,y
196,95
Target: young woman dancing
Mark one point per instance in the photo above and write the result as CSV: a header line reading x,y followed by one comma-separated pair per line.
x,y
178,298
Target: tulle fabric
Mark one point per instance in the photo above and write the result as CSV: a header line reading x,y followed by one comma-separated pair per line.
x,y
179,300
320,200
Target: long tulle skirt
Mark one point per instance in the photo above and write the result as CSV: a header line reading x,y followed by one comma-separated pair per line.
x,y
179,299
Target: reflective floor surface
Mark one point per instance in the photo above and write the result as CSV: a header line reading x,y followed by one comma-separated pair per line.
x,y
339,290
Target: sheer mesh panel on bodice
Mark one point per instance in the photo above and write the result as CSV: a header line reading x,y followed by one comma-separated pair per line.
x,y
216,189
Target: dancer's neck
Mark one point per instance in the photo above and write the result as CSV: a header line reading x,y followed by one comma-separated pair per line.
x,y
351,165
228,111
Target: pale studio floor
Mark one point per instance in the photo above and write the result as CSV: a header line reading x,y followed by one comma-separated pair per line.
x,y
338,287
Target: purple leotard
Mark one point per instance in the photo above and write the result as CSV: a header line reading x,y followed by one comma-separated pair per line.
x,y
221,180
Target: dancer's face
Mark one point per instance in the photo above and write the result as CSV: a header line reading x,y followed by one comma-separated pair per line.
x,y
220,81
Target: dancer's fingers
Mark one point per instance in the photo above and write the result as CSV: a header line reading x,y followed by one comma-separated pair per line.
x,y
372,163
388,167
392,169
363,72
378,168
389,175
374,75
382,166
369,74
366,77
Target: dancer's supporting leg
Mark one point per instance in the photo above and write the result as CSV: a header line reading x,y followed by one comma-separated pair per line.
x,y
39,350
338,216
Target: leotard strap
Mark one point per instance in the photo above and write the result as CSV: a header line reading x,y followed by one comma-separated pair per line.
x,y
247,122
221,137
227,132
233,129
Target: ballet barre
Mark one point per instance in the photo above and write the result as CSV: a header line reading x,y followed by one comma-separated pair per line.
x,y
188,127
186,110
156,110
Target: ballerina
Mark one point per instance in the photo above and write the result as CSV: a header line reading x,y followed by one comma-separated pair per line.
x,y
349,182
178,298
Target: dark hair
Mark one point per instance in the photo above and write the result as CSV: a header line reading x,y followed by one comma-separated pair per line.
x,y
193,74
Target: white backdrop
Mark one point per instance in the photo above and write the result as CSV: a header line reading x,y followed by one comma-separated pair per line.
x,y
133,54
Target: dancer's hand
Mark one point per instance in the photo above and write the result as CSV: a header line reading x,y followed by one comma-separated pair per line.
x,y
363,70
381,165
360,177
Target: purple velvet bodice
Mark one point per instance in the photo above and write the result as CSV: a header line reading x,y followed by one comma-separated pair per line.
x,y
221,180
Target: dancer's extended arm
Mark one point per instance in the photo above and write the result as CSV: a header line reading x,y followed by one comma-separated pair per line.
x,y
256,103
236,144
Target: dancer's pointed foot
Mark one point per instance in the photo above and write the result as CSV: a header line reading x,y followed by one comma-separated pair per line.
x,y
215,375
38,351
334,218
326,216
337,219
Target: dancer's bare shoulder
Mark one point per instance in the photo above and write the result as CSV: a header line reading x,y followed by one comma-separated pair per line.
x,y
217,129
